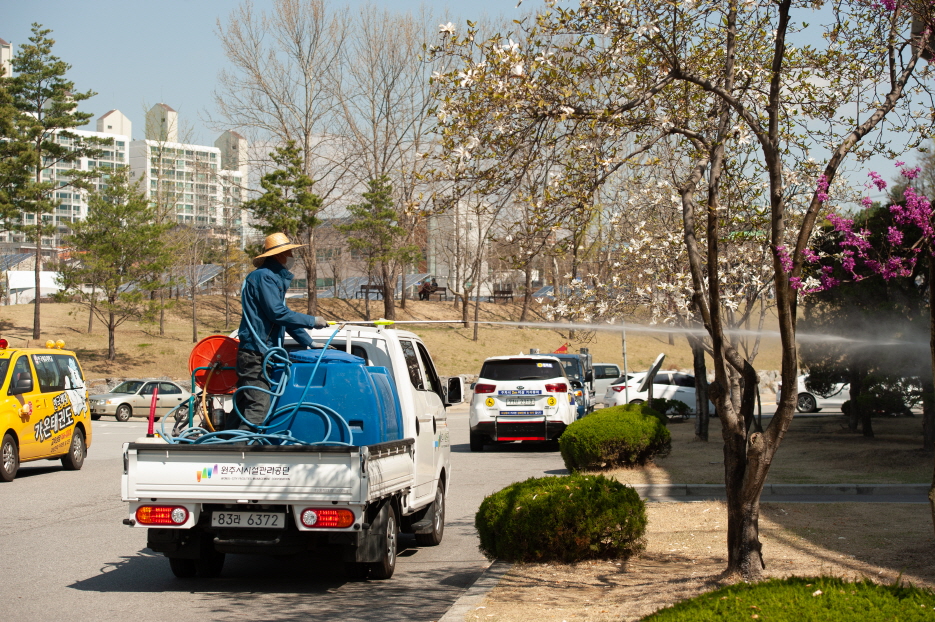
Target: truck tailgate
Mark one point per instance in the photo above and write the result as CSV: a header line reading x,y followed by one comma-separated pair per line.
x,y
265,473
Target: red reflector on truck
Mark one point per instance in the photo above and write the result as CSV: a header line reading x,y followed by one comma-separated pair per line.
x,y
485,388
327,517
161,515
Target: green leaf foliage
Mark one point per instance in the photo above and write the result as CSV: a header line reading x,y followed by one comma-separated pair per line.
x,y
821,599
565,519
287,203
613,437
374,230
119,253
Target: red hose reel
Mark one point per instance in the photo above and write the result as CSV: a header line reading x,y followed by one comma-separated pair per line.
x,y
216,352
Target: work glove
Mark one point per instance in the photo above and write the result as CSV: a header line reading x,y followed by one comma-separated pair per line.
x,y
320,322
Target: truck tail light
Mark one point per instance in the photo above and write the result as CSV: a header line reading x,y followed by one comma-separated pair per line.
x,y
161,515
485,388
327,517
559,387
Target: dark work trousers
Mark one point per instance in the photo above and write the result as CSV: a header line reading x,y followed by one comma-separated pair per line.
x,y
253,405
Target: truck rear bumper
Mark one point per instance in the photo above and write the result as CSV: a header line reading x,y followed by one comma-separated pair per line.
x,y
520,431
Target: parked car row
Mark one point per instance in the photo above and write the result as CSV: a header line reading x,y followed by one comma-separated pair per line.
x,y
667,384
135,396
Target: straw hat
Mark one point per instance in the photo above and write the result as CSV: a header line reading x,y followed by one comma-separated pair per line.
x,y
274,244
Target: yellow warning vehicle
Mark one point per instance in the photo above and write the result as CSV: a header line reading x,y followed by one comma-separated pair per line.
x,y
44,408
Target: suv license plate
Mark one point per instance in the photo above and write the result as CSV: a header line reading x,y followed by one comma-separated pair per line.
x,y
521,401
250,520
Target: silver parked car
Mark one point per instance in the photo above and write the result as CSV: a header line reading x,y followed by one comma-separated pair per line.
x,y
135,396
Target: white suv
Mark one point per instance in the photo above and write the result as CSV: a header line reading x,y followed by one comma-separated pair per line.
x,y
520,398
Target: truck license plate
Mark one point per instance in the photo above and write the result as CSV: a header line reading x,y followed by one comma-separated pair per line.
x,y
521,401
258,520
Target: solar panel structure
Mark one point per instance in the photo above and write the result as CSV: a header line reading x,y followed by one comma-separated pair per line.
x,y
8,262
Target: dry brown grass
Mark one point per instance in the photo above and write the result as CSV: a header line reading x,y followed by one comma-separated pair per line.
x,y
814,450
141,351
685,556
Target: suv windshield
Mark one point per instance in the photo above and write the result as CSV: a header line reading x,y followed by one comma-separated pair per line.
x,y
130,386
520,369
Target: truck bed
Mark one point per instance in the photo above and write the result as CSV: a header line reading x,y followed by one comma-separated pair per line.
x,y
265,473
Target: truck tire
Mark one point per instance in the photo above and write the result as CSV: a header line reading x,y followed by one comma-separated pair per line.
x,y
123,412
183,568
434,537
384,568
74,459
9,458
477,442
210,564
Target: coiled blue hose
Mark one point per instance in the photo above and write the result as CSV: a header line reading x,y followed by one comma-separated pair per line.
x,y
276,358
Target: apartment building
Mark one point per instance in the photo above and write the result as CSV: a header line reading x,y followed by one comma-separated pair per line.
x,y
195,185
72,202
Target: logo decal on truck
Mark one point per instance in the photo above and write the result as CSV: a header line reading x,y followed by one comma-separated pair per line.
x,y
240,472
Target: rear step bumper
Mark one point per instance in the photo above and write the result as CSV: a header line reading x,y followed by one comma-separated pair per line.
x,y
520,430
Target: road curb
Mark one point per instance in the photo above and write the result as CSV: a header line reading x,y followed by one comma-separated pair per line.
x,y
468,601
718,490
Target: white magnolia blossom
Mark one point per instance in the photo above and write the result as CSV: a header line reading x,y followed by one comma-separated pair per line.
x,y
446,29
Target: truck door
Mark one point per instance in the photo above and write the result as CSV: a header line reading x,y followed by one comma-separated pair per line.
x,y
427,404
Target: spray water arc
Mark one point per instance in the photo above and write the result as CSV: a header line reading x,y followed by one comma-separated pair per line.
x,y
628,327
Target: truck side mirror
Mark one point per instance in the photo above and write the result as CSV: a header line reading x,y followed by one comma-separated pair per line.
x,y
455,390
589,376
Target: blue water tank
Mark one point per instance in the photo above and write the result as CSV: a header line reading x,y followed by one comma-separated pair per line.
x,y
364,397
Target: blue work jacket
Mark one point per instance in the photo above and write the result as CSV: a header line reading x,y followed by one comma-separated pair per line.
x,y
264,306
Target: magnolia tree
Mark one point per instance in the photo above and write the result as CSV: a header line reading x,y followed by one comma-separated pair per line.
x,y
721,76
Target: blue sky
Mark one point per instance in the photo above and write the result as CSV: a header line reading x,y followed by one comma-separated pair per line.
x,y
135,54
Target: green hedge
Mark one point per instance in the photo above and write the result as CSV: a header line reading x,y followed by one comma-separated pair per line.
x,y
822,599
617,436
567,519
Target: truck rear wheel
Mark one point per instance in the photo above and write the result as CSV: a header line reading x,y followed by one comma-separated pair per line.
x,y
434,537
384,568
183,568
477,442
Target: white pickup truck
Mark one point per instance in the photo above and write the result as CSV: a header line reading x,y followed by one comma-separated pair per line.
x,y
202,501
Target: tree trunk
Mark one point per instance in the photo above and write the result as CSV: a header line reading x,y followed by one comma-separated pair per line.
x,y
91,308
162,312
928,413
389,291
35,314
702,415
111,332
476,314
527,294
932,351
311,274
194,315
856,379
464,307
402,288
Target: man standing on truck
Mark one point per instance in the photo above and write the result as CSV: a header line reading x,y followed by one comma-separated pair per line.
x,y
263,323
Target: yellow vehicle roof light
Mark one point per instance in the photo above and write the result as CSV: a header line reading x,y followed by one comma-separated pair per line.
x,y
60,344
50,344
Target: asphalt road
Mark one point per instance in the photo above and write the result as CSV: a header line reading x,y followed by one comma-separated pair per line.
x,y
67,554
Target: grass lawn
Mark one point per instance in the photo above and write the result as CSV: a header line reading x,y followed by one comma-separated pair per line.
x,y
816,450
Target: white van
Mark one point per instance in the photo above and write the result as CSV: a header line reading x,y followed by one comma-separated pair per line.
x,y
604,376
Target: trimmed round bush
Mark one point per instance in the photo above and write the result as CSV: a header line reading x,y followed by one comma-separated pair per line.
x,y
612,437
822,599
565,519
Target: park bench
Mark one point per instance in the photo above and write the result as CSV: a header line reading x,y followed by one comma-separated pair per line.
x,y
366,289
502,294
440,292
